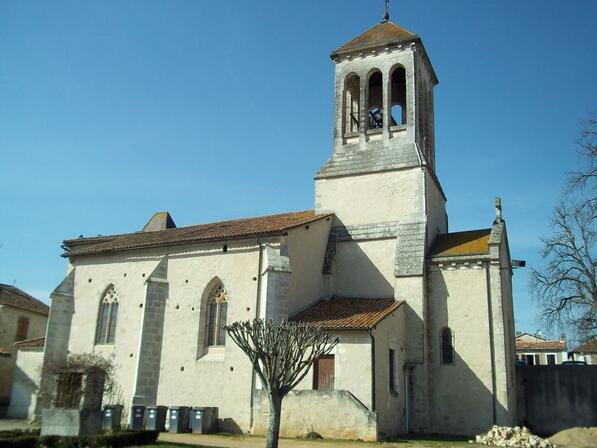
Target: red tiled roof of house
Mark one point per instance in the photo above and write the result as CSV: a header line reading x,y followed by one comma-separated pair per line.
x,y
588,347
540,345
471,242
14,297
340,313
217,231
36,342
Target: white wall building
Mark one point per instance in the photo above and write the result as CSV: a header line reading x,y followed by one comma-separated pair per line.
x,y
424,316
535,350
22,317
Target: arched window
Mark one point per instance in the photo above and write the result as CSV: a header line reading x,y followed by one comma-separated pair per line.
x,y
398,96
352,98
447,346
108,316
375,101
217,309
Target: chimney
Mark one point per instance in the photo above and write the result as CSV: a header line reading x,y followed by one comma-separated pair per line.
x,y
159,221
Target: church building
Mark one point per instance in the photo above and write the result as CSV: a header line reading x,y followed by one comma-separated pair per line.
x,y
424,316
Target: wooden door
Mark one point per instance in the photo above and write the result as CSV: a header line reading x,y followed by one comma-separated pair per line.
x,y
323,373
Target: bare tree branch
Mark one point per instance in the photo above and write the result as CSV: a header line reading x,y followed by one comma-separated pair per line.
x,y
565,284
281,354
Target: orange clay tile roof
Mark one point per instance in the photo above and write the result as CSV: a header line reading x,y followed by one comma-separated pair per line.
x,y
13,296
382,34
471,242
540,345
4,352
588,347
36,342
340,313
218,231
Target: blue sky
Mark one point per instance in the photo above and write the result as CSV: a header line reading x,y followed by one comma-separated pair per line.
x,y
111,110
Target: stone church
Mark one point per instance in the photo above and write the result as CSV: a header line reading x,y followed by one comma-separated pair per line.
x,y
424,315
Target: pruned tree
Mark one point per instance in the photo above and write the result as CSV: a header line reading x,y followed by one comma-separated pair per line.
x,y
281,354
565,286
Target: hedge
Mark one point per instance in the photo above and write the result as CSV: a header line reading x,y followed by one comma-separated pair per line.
x,y
20,441
16,439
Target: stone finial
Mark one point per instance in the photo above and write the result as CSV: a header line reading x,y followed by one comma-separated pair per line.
x,y
498,209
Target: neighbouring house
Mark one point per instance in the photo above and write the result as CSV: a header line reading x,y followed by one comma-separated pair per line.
x,y
424,315
26,378
586,352
21,317
535,350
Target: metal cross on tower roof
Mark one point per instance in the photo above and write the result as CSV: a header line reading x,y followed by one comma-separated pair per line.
x,y
386,15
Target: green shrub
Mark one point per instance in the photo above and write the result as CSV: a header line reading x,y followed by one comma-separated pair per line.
x,y
19,441
18,432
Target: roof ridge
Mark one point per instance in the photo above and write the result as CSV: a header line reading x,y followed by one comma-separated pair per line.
x,y
138,232
17,298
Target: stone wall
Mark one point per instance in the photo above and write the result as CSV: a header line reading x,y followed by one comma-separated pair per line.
x,y
26,382
461,398
553,398
333,414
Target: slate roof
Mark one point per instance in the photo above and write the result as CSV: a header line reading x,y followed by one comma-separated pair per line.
x,y
588,347
383,34
378,158
36,342
217,231
471,242
339,313
13,296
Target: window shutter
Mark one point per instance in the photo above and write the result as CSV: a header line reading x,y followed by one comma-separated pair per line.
x,y
22,329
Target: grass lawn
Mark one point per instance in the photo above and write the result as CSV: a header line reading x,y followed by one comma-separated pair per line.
x,y
251,442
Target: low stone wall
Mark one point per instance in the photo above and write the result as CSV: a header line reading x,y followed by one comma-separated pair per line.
x,y
26,382
553,398
333,414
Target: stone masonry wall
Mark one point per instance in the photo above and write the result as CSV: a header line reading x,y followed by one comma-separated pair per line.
x,y
333,414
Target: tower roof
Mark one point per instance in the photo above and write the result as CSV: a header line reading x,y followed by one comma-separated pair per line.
x,y
383,34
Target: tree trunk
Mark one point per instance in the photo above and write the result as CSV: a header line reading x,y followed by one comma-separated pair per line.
x,y
275,414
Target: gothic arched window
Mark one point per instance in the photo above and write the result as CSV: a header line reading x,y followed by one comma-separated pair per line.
x,y
108,316
352,99
447,346
217,309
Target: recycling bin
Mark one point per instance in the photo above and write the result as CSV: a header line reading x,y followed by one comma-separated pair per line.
x,y
179,419
138,418
203,420
156,418
111,417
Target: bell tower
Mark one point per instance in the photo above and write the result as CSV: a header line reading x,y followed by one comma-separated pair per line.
x,y
383,124
381,184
